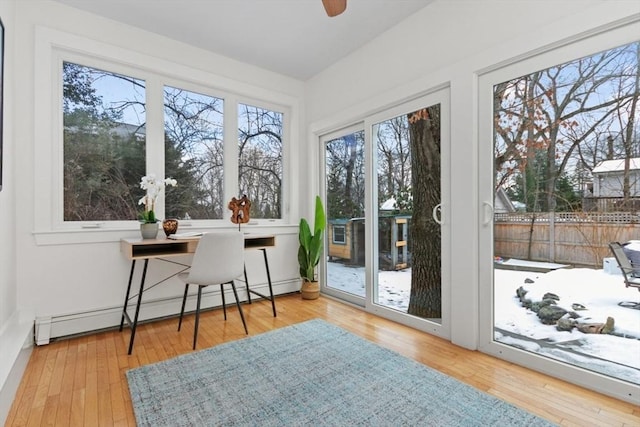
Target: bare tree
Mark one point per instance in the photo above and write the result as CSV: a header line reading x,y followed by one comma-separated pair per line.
x,y
394,160
558,110
260,160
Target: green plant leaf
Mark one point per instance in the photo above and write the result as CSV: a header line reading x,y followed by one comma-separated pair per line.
x,y
319,222
315,249
303,262
304,235
147,217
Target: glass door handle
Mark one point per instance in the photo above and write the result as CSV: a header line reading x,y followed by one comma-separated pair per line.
x,y
437,208
488,208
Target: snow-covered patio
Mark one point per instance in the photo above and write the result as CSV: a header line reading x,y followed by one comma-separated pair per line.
x,y
616,355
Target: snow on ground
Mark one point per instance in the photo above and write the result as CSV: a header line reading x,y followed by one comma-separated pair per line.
x,y
596,290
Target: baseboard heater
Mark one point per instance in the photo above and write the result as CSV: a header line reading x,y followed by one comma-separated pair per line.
x,y
48,328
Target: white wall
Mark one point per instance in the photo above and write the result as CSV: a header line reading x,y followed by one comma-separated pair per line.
x,y
16,323
63,273
451,43
7,212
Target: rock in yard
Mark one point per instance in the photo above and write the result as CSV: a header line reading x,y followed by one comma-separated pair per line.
x,y
536,306
549,295
550,314
565,324
597,328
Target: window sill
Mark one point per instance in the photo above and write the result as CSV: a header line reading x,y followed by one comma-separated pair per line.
x,y
79,236
110,235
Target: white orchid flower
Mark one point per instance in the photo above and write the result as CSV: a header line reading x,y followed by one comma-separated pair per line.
x,y
153,188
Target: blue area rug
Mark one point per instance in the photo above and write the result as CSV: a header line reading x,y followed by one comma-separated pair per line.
x,y
312,373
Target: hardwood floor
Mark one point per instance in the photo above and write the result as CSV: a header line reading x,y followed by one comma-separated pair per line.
x,y
81,381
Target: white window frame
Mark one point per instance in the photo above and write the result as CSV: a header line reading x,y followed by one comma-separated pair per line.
x,y
52,48
286,138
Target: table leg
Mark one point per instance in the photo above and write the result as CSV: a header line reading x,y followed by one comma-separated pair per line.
x,y
135,318
126,298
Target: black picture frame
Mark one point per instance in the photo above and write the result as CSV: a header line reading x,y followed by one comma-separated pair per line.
x,y
1,96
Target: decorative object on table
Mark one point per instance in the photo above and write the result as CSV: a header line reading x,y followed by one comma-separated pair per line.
x,y
310,250
170,226
375,386
240,210
153,186
334,7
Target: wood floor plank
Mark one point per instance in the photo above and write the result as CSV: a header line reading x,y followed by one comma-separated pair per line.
x,y
76,416
82,381
58,369
21,408
105,413
118,403
35,416
42,391
90,415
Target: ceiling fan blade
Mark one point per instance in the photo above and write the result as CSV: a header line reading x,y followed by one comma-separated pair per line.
x,y
334,7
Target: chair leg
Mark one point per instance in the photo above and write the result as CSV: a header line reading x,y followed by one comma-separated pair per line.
x,y
224,303
184,301
246,283
195,332
235,294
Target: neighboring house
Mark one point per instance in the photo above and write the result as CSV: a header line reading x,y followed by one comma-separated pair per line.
x,y
608,178
605,193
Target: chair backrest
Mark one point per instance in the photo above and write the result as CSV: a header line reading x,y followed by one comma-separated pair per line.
x,y
219,258
621,257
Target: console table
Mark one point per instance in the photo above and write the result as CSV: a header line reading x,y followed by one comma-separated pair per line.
x,y
161,249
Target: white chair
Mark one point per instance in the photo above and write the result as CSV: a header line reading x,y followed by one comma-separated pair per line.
x,y
219,259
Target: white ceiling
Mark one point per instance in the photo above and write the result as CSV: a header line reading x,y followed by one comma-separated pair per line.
x,y
292,37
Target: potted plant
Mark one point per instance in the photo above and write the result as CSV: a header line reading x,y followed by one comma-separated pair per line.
x,y
310,251
148,220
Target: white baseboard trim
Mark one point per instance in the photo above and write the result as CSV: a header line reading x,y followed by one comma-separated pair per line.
x,y
16,337
58,326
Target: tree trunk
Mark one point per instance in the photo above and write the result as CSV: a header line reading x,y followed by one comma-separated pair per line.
x,y
424,135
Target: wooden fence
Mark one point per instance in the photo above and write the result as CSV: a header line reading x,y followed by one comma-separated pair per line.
x,y
578,239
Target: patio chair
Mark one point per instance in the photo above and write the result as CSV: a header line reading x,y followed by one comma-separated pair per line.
x,y
626,267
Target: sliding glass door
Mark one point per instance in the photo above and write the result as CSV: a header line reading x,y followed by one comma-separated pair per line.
x,y
387,201
559,184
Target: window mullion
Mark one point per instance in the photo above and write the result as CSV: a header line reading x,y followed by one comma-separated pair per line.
x,y
230,150
155,135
